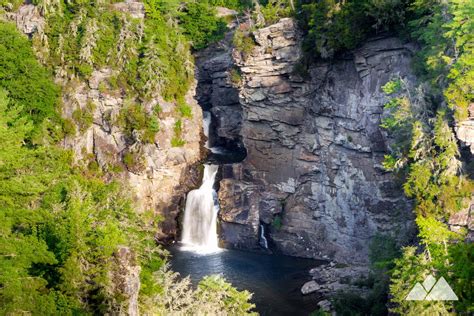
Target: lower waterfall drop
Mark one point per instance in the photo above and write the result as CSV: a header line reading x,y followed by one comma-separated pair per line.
x,y
200,215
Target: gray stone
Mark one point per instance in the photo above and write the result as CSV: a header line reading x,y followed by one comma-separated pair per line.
x,y
325,305
310,287
316,148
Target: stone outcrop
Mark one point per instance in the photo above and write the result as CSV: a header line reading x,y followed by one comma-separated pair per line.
x,y
163,174
309,287
136,9
333,278
159,175
313,175
464,221
465,130
27,19
217,93
125,277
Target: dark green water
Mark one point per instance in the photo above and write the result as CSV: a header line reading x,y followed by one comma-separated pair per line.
x,y
275,280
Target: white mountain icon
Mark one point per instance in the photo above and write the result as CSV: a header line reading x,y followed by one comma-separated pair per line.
x,y
432,291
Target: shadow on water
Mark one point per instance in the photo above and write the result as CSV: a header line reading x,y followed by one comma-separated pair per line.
x,y
275,280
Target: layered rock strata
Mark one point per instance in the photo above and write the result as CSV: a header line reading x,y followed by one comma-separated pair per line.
x,y
313,174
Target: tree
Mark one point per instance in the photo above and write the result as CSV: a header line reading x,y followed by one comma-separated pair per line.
x,y
200,24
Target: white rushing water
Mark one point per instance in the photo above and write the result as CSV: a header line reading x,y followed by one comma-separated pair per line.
x,y
263,239
206,125
200,216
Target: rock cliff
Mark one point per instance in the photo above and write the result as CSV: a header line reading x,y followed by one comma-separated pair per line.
x,y
313,176
158,174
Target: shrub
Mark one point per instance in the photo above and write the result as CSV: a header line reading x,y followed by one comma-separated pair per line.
x,y
29,85
84,117
133,117
184,109
232,4
201,25
177,141
69,128
334,26
235,76
133,161
243,42
274,10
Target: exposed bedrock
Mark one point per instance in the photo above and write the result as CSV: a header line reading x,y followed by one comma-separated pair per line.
x,y
157,174
217,94
313,173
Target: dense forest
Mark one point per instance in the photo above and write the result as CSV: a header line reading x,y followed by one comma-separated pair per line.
x,y
64,225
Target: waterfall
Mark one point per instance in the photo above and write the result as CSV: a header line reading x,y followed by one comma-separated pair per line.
x,y
206,124
263,239
200,215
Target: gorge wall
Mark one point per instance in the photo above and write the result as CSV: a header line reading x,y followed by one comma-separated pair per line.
x,y
158,174
313,175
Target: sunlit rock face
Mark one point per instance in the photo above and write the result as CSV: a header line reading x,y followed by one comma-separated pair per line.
x,y
162,174
313,173
465,131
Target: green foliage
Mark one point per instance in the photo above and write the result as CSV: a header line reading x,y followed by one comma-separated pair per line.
x,y
235,76
11,5
61,226
440,258
133,161
61,231
319,313
425,148
243,42
410,269
177,141
387,13
426,151
28,84
274,10
133,118
200,24
445,30
184,109
232,4
215,291
392,86
84,117
276,223
213,296
382,252
333,26
150,59
51,221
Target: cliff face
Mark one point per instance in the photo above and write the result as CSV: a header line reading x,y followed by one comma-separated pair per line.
x,y
161,175
158,174
313,177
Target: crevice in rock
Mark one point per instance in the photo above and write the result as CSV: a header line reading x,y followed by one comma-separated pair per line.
x,y
219,99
